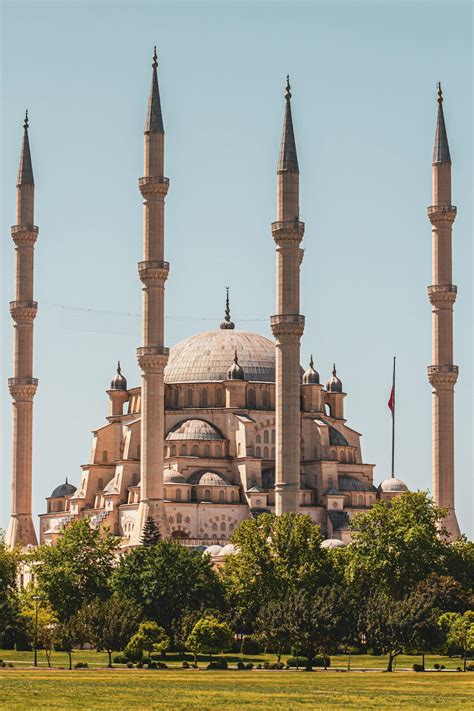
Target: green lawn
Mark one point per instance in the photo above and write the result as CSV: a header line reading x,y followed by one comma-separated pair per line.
x,y
100,659
176,690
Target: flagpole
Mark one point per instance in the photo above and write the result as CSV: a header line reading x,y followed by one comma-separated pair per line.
x,y
393,418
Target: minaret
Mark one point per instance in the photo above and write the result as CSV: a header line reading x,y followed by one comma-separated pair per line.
x,y
442,295
23,386
287,325
152,355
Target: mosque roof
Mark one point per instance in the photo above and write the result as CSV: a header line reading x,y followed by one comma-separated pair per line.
x,y
193,429
65,489
173,476
212,479
351,483
207,356
393,484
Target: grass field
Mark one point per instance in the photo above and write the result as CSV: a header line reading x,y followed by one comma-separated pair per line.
x,y
176,690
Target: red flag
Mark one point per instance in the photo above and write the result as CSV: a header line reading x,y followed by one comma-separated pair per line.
x,y
391,400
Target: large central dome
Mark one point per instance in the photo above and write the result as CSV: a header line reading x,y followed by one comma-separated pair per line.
x,y
208,356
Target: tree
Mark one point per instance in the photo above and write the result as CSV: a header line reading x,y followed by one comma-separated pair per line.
x,y
458,631
278,556
76,569
460,563
149,638
272,627
394,626
68,633
110,623
446,593
209,636
396,545
151,533
10,624
165,579
39,621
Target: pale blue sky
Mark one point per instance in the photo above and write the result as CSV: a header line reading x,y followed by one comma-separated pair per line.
x,y
364,104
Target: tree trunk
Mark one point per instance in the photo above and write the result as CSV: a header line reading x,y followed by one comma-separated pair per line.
x,y
349,662
390,662
195,659
109,652
325,660
70,660
309,661
423,661
278,657
465,661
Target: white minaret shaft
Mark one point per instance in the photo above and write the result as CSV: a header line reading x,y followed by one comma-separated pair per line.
x,y
152,355
442,373
287,324
23,386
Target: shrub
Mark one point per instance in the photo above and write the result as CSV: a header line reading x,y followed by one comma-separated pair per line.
x,y
470,666
81,665
120,659
249,665
161,665
130,665
152,665
3,664
277,665
319,662
251,645
418,668
139,665
442,666
218,664
291,662
185,665
458,669
240,665
10,664
436,666
259,666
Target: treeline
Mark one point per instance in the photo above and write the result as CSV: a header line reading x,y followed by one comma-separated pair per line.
x,y
398,587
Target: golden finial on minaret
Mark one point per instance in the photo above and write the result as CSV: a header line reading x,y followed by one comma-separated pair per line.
x,y
155,59
440,93
287,88
26,124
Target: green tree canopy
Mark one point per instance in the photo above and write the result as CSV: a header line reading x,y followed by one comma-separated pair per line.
x,y
39,620
111,623
446,593
76,569
458,632
151,533
9,607
150,637
165,579
209,636
272,627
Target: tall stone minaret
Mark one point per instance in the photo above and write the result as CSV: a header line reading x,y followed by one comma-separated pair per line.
x,y
287,325
152,355
22,386
442,295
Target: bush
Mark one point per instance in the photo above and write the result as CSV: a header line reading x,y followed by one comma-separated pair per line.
x,y
442,666
2,663
161,665
319,662
10,665
218,664
266,665
251,645
185,665
249,665
240,665
130,665
152,665
470,666
81,665
259,666
139,665
418,668
120,659
291,662
277,665
436,666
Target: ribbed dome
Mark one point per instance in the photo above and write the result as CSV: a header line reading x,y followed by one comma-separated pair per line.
x,y
212,479
334,385
351,483
213,550
193,429
332,543
172,476
311,376
235,372
206,357
393,485
119,382
65,489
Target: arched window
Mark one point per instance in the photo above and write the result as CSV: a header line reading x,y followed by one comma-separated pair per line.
x,y
258,452
231,527
184,449
218,450
258,439
203,398
219,398
251,398
222,526
232,495
265,399
134,479
333,454
139,451
214,526
176,397
173,450
207,450
265,452
266,437
178,495
207,494
330,481
343,456
100,485
273,452
273,436
194,450
179,518
221,496
327,409
105,456
360,500
190,398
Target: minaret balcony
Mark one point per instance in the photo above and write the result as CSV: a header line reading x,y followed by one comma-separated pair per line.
x,y
288,230
152,357
22,389
289,324
444,214
23,310
443,375
24,235
442,294
153,185
153,272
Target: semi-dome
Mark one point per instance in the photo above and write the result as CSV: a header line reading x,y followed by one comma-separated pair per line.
x,y
212,479
119,382
206,357
62,490
334,385
393,485
172,476
311,376
193,429
332,543
351,483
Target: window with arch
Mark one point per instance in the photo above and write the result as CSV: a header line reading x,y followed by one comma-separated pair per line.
x,y
134,479
219,397
190,398
221,496
265,437
251,398
265,452
273,452
105,456
222,526
207,450
214,526
184,449
203,398
327,409
232,495
179,518
173,450
343,456
194,450
265,402
273,436
176,397
258,439
333,454
100,485
178,495
330,481
231,527
360,500
207,494
218,450
258,452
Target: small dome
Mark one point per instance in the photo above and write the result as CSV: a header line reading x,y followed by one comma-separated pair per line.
x,y
62,490
119,382
213,550
194,429
334,385
212,479
332,543
235,372
173,476
393,485
311,376
229,549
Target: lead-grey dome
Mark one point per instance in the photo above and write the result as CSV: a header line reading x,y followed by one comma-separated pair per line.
x,y
119,382
206,357
347,482
194,429
393,485
334,385
62,490
311,375
212,479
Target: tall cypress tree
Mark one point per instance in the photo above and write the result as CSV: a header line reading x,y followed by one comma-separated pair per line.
x,y
151,533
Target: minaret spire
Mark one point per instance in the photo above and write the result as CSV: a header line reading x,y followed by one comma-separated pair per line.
x,y
227,323
23,385
442,374
287,324
152,355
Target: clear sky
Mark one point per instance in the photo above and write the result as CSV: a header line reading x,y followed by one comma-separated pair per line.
x,y
363,80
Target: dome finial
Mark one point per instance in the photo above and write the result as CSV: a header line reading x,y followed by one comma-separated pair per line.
x,y
235,372
334,369
227,323
440,93
311,361
119,382
311,376
67,481
334,385
119,369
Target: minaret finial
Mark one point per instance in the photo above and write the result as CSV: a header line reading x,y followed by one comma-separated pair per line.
x,y
287,88
227,323
440,93
334,369
26,124
154,118
236,360
155,59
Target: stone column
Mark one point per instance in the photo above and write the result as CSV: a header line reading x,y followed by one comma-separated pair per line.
x,y
442,374
287,324
23,385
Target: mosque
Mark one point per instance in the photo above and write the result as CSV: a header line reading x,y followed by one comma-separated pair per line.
x,y
226,424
